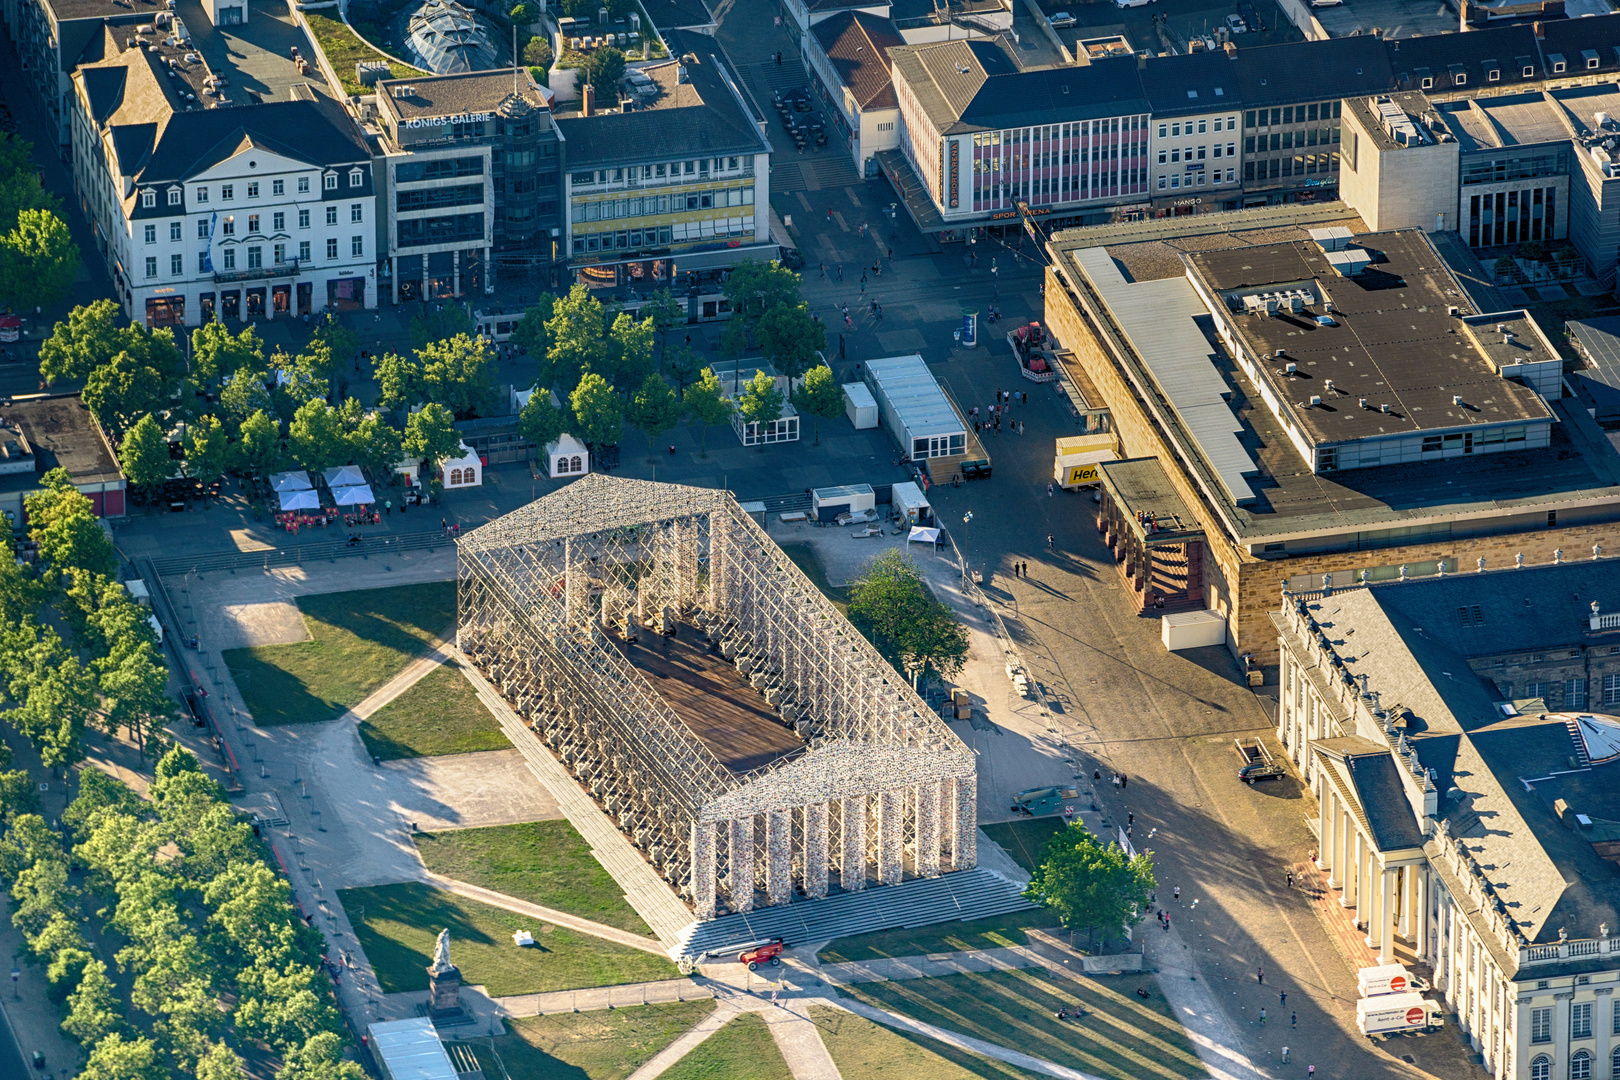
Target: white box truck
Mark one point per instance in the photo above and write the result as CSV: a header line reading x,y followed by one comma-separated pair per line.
x,y
1387,979
1387,1014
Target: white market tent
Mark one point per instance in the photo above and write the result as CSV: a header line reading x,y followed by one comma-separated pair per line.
x,y
567,457
300,500
357,495
344,476
922,535
298,480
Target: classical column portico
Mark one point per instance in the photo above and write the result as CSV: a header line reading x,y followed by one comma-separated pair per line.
x,y
1386,940
852,845
703,869
740,850
778,857
815,850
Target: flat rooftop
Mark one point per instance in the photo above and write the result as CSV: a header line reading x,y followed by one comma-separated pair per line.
x,y
728,715
1147,495
452,95
1579,466
255,58
61,433
1391,340
1498,122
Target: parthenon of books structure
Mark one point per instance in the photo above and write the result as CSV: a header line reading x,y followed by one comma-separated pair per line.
x,y
746,738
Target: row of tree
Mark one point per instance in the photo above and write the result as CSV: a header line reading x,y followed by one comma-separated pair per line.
x,y
38,258
213,953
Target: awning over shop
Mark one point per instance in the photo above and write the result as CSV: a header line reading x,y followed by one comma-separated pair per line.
x,y
358,495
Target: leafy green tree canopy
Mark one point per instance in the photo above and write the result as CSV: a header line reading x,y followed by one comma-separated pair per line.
x,y
577,344
217,354
541,422
316,438
892,606
790,339
1092,884
706,403
259,449
654,409
38,260
144,454
761,400
598,411
820,396
431,434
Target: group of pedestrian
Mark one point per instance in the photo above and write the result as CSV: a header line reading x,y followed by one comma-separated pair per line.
x,y
1021,569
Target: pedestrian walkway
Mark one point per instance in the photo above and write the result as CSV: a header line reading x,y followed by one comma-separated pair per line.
x,y
551,915
675,1051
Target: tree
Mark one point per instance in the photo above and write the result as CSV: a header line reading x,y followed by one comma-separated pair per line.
x,y
753,289
605,69
219,1062
457,373
207,450
296,381
93,1008
530,333
399,380
62,521
321,1058
259,450
431,433
124,389
341,342
577,345
216,354
681,364
632,351
378,445
655,408
19,183
117,1058
316,438
598,411
706,403
38,260
666,314
91,333
1091,884
144,454
541,422
790,339
820,396
537,56
761,401
522,15
97,791
438,324
245,393
892,606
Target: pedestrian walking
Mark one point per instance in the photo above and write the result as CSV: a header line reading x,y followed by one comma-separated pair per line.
x,y
1282,999
891,254
1050,542
1262,1016
1285,1055
1167,922
1020,427
1048,491
388,507
1123,780
1178,894
1311,1072
1260,975
1290,879
1026,570
829,213
1130,817
863,284
1096,774
823,269
840,269
1293,1019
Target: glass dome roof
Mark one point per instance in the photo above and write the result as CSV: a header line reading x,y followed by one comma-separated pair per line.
x,y
445,38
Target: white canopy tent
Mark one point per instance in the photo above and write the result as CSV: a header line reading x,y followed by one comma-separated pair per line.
x,y
344,476
357,495
297,480
300,500
922,535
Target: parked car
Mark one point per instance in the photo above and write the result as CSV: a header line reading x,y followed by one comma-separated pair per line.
x,y
1062,18
791,258
1236,24
1326,3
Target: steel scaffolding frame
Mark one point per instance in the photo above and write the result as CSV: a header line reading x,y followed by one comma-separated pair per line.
x,y
885,787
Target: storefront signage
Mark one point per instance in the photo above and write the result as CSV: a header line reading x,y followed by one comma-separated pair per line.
x,y
445,121
1034,211
956,154
1082,474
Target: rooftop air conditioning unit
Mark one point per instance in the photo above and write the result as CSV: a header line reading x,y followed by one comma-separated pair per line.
x,y
1316,399
1290,368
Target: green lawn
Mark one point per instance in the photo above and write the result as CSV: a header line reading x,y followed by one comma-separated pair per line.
x,y
397,925
545,862
863,1050
1121,1035
360,640
439,715
605,1045
343,49
996,932
804,557
742,1050
1026,838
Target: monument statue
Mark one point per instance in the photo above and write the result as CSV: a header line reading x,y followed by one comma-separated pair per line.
x,y
444,982
441,955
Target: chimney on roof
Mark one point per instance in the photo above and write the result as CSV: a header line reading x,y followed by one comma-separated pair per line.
x,y
1540,28
587,98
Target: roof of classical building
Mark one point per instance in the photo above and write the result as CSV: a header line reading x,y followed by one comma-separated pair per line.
x,y
700,111
1499,767
1465,61
976,85
1199,82
1311,71
857,44
159,136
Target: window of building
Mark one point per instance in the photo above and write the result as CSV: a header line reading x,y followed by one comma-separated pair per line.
x,y
228,227
329,182
1558,69
1580,1019
278,187
356,177
230,259
1580,1066
177,264
151,234
303,219
1541,1019
202,262
331,215
253,189
1541,1068
202,229
174,196
357,246
253,223
303,185
1164,131
357,212
1611,689
1460,79
1616,1028
278,220
255,257
227,192
331,247
303,251
1163,180
280,253
1529,72
1575,693
1493,75
151,266
202,194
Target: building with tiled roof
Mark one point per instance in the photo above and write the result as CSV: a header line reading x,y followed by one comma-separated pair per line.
x,y
202,208
848,55
1468,802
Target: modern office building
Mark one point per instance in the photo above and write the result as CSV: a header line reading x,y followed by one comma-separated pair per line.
x,y
469,181
1468,803
249,212
1325,408
672,184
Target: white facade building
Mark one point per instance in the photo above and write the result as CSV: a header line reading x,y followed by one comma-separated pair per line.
x,y
256,211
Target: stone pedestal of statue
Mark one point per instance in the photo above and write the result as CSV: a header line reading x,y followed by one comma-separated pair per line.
x,y
444,982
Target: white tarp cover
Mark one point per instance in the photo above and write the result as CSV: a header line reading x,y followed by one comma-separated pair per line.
x,y
923,535
300,500
297,480
358,495
344,476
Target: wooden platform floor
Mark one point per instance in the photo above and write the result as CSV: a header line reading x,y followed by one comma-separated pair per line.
x,y
716,704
